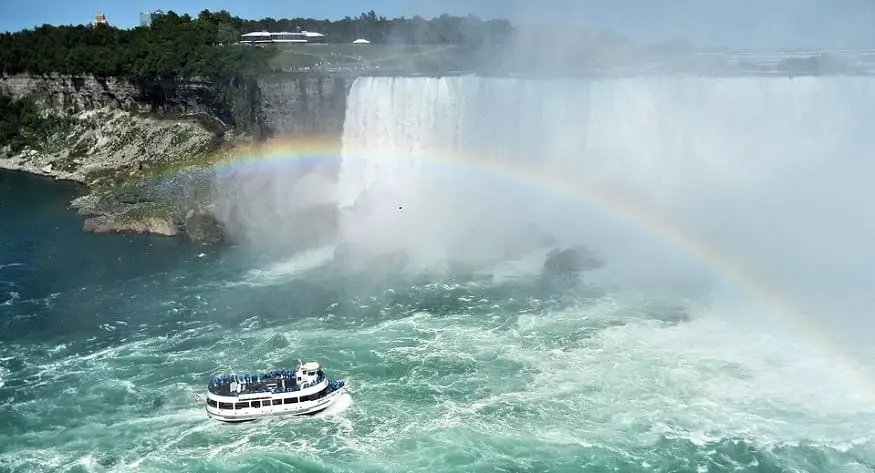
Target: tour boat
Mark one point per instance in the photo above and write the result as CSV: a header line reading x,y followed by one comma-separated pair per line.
x,y
303,391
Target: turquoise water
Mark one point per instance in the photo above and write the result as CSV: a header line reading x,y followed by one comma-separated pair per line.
x,y
104,341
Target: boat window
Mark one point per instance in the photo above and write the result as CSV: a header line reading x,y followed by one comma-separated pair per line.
x,y
226,405
290,400
211,403
241,405
277,402
256,403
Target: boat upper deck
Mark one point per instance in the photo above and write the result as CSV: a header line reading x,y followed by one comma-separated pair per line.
x,y
282,381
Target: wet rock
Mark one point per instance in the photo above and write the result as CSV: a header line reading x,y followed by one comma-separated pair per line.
x,y
203,228
113,224
86,205
571,260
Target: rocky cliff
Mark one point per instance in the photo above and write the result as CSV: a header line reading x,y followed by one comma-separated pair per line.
x,y
145,149
72,94
304,106
280,105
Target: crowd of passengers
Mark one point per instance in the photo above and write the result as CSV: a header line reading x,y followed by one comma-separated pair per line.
x,y
282,381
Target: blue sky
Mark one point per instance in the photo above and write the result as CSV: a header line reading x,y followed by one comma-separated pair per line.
x,y
737,23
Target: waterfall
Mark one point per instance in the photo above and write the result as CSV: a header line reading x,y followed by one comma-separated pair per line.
x,y
763,166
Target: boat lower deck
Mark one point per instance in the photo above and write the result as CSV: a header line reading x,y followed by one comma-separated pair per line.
x,y
245,414
231,420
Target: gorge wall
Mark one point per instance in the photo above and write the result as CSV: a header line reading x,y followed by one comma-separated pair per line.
x,y
304,106
76,93
280,105
130,141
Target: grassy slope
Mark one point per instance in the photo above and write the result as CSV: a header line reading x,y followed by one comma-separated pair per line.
x,y
368,56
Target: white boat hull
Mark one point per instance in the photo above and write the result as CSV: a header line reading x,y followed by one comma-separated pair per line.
x,y
255,413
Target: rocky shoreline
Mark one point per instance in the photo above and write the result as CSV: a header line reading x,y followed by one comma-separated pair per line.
x,y
144,151
120,157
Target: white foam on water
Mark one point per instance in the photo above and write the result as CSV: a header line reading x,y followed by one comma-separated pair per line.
x,y
604,375
13,298
286,270
455,376
626,386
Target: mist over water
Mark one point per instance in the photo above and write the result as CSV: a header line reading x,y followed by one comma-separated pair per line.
x,y
657,358
771,172
412,266
278,205
650,363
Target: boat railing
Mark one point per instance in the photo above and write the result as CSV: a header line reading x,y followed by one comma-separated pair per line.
x,y
274,382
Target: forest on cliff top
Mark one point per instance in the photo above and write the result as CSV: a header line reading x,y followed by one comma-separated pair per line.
x,y
176,46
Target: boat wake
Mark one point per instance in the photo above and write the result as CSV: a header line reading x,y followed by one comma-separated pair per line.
x,y
341,405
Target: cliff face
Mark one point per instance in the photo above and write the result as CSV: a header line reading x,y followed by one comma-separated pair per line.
x,y
304,106
280,105
94,144
144,148
73,94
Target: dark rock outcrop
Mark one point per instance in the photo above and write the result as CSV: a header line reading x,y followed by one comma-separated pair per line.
x,y
571,260
304,105
115,224
203,229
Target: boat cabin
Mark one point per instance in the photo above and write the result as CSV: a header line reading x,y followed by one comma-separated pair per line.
x,y
308,373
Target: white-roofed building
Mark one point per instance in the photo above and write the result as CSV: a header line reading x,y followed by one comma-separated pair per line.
x,y
261,37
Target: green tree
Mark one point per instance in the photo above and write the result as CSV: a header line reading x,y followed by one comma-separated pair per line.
x,y
178,45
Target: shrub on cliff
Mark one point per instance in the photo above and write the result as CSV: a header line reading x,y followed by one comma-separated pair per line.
x,y
21,123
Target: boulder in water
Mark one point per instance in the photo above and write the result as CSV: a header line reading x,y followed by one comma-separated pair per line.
x,y
572,260
113,224
204,229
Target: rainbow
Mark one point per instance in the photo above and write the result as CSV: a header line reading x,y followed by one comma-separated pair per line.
x,y
308,151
